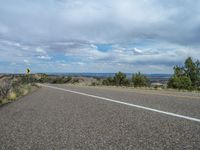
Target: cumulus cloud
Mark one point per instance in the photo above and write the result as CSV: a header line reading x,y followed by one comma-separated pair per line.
x,y
44,57
40,50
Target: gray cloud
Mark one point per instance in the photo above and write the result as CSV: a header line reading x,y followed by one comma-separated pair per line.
x,y
99,21
154,32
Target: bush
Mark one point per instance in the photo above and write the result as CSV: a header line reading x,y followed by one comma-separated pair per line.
x,y
182,82
140,80
54,79
187,76
75,80
120,79
25,79
4,89
94,84
186,83
174,82
12,96
68,79
108,81
43,78
14,87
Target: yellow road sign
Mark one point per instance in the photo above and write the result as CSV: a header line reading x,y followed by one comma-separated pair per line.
x,y
28,71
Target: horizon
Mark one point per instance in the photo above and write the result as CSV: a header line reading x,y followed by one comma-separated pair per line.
x,y
49,73
98,36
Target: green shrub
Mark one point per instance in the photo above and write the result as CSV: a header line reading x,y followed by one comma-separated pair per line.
x,y
186,83
108,81
174,82
187,76
182,82
140,80
44,79
120,79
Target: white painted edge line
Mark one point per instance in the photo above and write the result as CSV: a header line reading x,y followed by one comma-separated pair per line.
x,y
124,103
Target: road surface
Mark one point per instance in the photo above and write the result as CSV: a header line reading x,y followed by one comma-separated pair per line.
x,y
71,117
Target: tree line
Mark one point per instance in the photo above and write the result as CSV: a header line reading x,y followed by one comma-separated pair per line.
x,y
184,77
120,79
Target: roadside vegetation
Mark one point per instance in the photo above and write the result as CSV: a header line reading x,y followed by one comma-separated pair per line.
x,y
43,78
140,80
120,79
52,79
12,88
187,76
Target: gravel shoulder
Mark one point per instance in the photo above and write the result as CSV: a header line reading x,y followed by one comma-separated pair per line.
x,y
172,92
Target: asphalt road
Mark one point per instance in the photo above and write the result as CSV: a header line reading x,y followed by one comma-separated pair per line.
x,y
56,119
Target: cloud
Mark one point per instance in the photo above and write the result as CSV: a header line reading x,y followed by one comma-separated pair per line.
x,y
114,20
145,34
40,50
44,57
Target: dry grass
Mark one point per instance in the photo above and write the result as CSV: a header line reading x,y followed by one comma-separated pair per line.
x,y
10,91
12,96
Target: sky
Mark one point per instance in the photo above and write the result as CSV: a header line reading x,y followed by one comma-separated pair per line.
x,y
101,36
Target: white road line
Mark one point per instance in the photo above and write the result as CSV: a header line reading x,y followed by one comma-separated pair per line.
x,y
124,103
